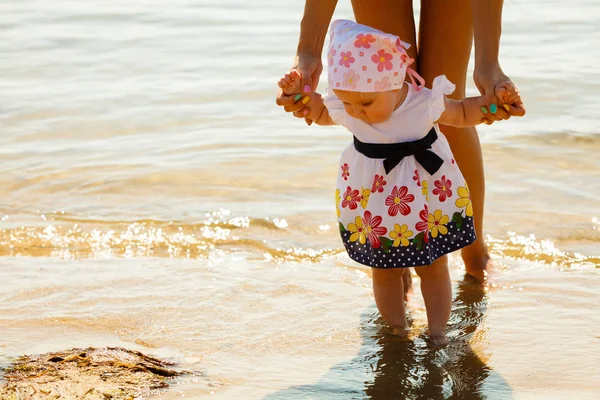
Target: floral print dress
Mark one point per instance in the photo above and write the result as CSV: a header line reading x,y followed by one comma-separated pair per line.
x,y
406,217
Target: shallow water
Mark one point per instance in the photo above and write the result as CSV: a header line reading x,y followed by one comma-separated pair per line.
x,y
152,196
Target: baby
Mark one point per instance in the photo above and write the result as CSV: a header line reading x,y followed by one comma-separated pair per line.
x,y
401,199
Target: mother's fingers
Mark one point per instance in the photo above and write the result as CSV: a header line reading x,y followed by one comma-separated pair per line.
x,y
515,103
517,109
490,107
501,113
512,97
284,100
301,113
294,107
292,103
494,109
493,113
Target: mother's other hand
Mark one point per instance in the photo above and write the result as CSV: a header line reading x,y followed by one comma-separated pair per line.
x,y
486,80
310,67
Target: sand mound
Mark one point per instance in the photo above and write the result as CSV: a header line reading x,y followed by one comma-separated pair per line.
x,y
104,373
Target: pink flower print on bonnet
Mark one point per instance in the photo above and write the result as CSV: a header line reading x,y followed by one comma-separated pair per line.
x,y
365,59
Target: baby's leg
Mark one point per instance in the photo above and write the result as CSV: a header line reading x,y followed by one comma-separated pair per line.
x,y
437,293
388,289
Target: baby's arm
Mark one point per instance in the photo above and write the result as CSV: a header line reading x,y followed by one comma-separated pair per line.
x,y
462,113
468,111
318,113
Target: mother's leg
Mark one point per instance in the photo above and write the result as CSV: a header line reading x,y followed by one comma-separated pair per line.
x,y
445,38
392,16
396,17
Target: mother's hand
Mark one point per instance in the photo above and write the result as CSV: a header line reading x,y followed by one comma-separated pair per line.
x,y
310,67
486,79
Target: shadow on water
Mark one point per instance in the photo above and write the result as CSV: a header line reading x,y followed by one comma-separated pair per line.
x,y
387,367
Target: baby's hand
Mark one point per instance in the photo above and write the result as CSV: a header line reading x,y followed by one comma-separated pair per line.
x,y
291,83
474,110
507,94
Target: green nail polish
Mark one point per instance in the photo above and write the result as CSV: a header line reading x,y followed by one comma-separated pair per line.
x,y
298,97
493,108
484,110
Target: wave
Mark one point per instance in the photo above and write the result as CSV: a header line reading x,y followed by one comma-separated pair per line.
x,y
74,238
566,139
267,239
529,248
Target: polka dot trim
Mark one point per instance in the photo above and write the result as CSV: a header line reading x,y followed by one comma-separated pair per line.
x,y
409,256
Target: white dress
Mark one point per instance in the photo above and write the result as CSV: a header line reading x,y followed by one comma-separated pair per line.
x,y
406,217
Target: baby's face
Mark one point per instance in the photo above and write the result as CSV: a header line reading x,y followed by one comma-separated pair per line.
x,y
372,107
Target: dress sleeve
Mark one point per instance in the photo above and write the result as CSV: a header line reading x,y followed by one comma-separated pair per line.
x,y
335,107
441,87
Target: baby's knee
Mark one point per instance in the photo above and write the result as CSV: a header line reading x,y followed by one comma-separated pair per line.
x,y
439,266
388,273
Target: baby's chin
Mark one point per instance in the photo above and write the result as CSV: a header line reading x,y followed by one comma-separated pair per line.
x,y
374,119
377,119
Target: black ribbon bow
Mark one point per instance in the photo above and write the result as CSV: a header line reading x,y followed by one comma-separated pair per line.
x,y
393,153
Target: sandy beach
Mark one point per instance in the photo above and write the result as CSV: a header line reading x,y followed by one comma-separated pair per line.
x,y
153,197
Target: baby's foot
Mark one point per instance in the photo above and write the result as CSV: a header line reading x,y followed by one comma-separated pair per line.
x,y
507,94
439,340
400,331
291,82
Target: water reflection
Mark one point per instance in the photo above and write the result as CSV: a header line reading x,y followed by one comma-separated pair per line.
x,y
387,367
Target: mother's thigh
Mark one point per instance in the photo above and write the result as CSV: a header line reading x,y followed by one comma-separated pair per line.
x,y
392,16
445,40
